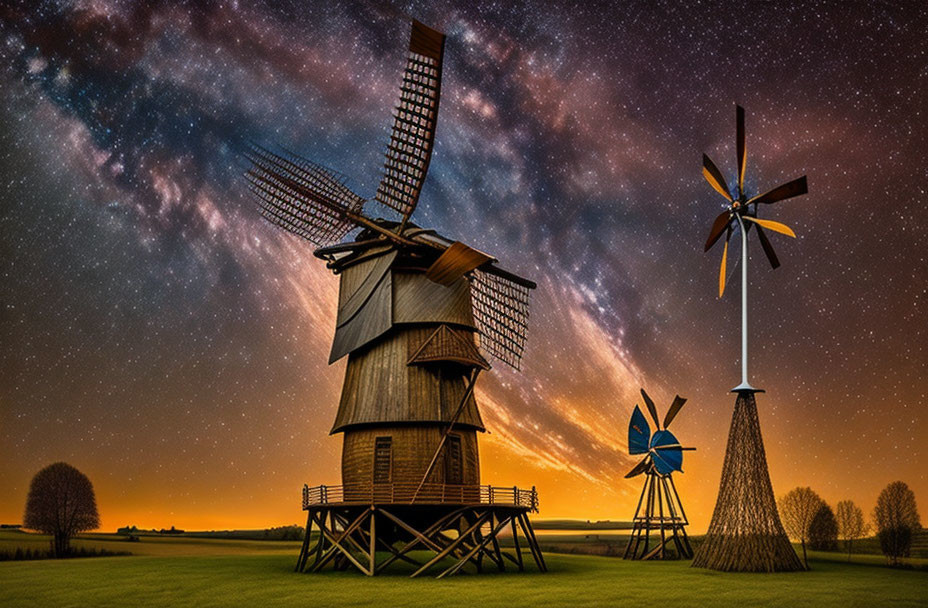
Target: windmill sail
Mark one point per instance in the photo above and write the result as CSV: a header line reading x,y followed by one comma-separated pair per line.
x,y
300,196
639,433
501,315
410,147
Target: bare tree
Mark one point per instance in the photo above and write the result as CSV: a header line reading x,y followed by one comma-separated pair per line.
x,y
851,524
797,510
61,503
896,517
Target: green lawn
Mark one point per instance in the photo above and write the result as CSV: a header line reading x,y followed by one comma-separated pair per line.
x,y
206,572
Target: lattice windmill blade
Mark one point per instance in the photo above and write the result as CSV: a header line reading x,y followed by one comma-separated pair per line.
x,y
300,196
410,149
501,308
797,187
674,409
741,151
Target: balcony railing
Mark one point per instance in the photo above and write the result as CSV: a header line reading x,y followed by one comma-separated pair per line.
x,y
434,493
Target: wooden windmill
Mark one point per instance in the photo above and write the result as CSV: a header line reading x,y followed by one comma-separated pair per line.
x,y
745,533
659,508
417,316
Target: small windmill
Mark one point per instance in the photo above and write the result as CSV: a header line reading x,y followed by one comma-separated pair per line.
x,y
746,533
412,306
662,510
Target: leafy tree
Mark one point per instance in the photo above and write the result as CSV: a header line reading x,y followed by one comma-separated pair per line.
x,y
61,503
797,510
823,531
896,517
851,524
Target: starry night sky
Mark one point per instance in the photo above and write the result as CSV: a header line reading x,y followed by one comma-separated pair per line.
x,y
161,337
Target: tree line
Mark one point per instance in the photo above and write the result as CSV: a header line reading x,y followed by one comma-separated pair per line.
x,y
811,521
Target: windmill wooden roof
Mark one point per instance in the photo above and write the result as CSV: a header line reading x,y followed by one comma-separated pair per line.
x,y
428,285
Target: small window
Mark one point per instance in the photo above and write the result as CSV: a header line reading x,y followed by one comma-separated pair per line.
x,y
383,459
454,462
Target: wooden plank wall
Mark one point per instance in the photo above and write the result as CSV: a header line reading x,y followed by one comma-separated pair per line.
x,y
380,387
413,448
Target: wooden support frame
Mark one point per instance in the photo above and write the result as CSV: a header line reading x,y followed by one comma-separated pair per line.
x,y
662,513
351,535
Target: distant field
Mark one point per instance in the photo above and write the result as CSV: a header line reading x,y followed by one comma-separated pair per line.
x,y
579,524
155,545
209,572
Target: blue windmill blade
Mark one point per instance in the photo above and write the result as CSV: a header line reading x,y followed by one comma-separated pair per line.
x,y
662,439
666,452
667,460
669,457
639,433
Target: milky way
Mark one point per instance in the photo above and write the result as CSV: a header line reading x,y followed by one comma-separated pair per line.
x,y
162,338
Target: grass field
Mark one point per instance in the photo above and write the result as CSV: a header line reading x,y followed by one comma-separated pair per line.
x,y
209,572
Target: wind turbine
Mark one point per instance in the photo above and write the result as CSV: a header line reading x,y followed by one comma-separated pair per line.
x,y
743,211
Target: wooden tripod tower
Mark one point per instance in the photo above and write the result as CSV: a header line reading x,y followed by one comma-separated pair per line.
x,y
418,316
659,509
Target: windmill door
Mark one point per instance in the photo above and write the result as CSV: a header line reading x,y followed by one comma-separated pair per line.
x,y
454,461
383,460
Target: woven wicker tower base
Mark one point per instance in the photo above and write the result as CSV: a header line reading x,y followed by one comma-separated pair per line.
x,y
746,534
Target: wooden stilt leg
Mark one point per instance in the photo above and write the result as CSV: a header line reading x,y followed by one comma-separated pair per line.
x,y
532,542
684,522
635,536
304,548
648,514
660,511
373,541
515,542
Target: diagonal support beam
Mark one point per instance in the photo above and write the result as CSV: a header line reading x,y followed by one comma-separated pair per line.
x,y
447,550
481,545
336,544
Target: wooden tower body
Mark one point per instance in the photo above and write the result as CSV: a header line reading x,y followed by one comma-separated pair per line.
x,y
411,351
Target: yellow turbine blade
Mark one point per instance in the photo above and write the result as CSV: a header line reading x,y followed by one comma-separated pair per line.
x,y
741,169
722,269
771,225
715,184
